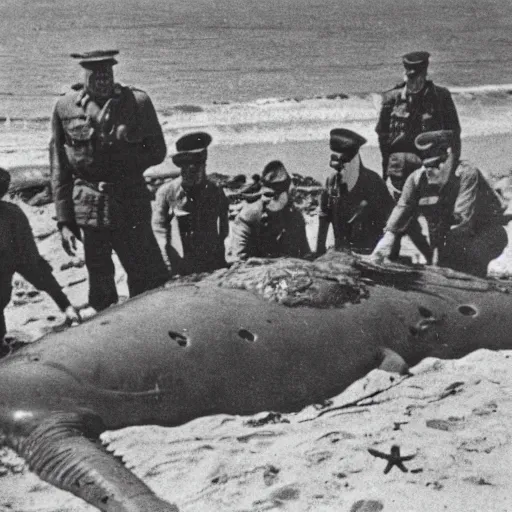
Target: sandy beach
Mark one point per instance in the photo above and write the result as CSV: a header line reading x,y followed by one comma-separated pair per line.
x,y
454,416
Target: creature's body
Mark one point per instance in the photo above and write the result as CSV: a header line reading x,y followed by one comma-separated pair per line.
x,y
275,336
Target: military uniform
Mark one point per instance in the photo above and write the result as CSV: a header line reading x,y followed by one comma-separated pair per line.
x,y
403,116
357,216
270,226
264,234
202,219
355,199
464,217
98,157
19,253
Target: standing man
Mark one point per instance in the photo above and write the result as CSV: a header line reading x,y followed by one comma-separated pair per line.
x,y
271,226
463,213
355,199
104,136
19,254
200,208
413,107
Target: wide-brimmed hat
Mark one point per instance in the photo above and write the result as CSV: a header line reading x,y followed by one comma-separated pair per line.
x,y
191,149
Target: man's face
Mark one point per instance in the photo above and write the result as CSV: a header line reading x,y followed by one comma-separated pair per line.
x,y
437,173
415,80
193,174
274,200
339,160
99,81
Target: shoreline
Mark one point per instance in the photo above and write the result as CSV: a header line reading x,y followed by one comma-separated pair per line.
x,y
492,154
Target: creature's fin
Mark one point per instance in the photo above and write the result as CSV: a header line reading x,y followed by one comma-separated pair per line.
x,y
393,362
65,450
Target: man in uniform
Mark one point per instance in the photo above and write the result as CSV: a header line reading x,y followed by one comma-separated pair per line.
x,y
270,226
463,213
413,107
200,208
355,199
104,136
19,254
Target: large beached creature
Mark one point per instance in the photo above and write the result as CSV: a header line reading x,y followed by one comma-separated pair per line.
x,y
263,335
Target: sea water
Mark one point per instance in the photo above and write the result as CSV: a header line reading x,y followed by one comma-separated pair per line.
x,y
253,71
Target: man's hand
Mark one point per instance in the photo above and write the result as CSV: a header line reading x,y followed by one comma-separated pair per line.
x,y
383,249
72,316
68,240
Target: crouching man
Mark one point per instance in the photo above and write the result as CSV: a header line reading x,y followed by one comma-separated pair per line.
x,y
463,213
271,226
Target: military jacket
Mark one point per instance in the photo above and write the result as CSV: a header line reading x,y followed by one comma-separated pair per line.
x,y
261,233
356,227
403,117
466,201
203,225
97,154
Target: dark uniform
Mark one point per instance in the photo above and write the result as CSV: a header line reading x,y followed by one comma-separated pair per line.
x,y
19,253
403,116
203,225
98,160
262,231
359,215
464,216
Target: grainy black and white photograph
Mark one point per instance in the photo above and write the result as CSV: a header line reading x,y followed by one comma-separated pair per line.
x,y
255,255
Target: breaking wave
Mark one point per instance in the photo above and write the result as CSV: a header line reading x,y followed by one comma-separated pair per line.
x,y
483,110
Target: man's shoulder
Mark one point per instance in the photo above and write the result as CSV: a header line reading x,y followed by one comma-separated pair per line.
x,y
68,99
169,188
466,169
440,90
11,210
371,176
392,95
212,186
140,95
251,212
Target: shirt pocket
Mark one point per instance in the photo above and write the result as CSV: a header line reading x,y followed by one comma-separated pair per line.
x,y
79,145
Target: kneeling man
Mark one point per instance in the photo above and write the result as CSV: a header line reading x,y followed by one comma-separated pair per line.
x,y
463,213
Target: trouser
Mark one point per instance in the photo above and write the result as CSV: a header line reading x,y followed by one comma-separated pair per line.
x,y
473,253
138,252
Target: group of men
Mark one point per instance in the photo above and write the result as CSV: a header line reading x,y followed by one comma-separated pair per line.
x,y
105,135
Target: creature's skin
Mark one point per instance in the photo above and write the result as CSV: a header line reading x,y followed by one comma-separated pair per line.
x,y
197,349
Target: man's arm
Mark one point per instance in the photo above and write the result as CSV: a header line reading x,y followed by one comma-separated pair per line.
x,y
223,216
61,175
405,209
32,266
242,239
152,148
464,207
161,223
382,129
324,220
